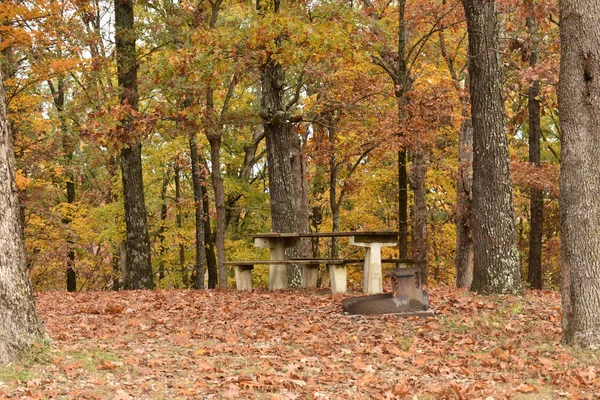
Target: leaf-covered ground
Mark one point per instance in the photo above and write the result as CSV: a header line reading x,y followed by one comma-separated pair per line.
x,y
297,344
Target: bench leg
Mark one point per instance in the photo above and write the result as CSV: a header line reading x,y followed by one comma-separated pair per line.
x,y
337,278
243,278
310,274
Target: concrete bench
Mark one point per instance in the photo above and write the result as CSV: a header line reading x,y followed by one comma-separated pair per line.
x,y
310,268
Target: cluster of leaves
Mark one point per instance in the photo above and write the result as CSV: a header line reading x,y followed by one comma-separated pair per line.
x,y
298,344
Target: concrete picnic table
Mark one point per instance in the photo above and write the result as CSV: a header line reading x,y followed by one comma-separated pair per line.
x,y
372,241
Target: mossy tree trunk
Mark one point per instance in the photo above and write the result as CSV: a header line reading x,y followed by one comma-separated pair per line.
x,y
496,263
139,265
578,94
19,325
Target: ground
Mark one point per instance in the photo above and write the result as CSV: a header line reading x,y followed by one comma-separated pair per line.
x,y
297,344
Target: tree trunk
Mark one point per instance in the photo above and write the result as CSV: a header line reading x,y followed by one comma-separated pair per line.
x,y
496,263
534,272
116,269
420,240
298,163
217,182
162,249
179,223
139,265
68,147
211,259
401,84
579,108
19,325
277,132
123,263
199,214
402,204
463,259
333,199
214,134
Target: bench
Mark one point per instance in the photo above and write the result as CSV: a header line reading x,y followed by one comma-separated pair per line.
x,y
310,267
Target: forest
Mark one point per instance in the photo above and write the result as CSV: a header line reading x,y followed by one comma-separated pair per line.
x,y
353,108
145,142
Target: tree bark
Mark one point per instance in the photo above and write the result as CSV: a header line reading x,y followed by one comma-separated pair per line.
x,y
277,132
401,84
211,259
579,108
534,272
298,163
139,265
214,134
68,147
217,182
463,259
420,240
179,222
402,204
496,263
162,249
334,204
200,267
19,325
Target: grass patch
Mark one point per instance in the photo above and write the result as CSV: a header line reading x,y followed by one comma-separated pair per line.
x,y
455,326
15,373
90,359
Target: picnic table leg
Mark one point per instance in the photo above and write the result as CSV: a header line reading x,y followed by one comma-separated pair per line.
x,y
372,281
366,270
278,272
373,276
277,246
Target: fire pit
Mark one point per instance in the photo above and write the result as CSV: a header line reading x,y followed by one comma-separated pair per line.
x,y
407,297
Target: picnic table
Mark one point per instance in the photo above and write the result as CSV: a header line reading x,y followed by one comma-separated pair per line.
x,y
372,241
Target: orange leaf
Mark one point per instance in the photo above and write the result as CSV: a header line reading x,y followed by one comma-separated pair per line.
x,y
524,388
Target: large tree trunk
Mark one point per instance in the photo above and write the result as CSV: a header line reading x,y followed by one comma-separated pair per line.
x,y
534,273
496,263
199,214
578,94
277,132
401,83
139,265
463,259
19,325
420,240
298,163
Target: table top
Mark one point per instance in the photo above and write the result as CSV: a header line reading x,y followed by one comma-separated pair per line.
x,y
327,234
